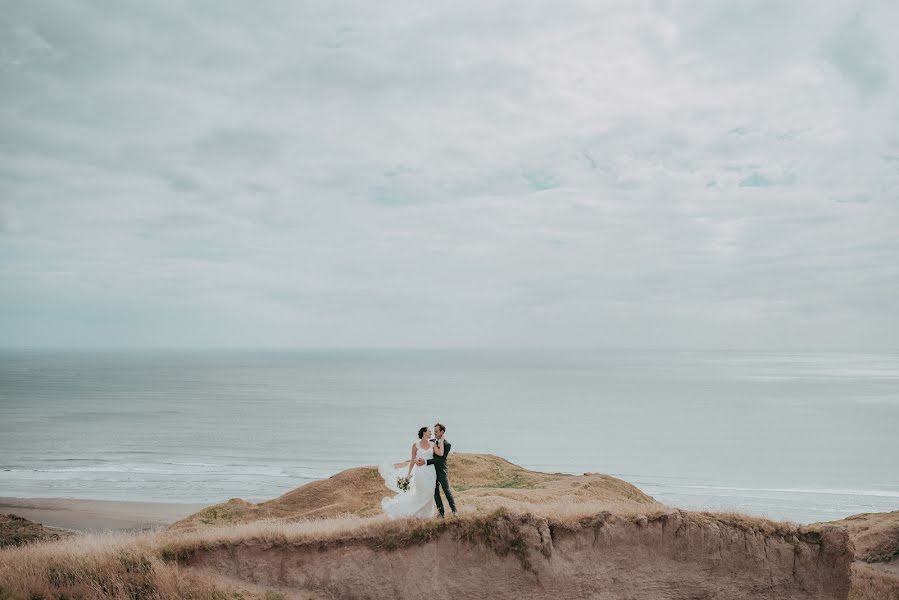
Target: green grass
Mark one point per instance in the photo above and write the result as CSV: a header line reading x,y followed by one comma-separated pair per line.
x,y
501,532
177,554
419,534
503,480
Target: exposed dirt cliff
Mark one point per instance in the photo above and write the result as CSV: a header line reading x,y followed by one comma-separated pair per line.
x,y
501,555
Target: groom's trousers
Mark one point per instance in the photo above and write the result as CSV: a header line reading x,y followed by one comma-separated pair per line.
x,y
443,482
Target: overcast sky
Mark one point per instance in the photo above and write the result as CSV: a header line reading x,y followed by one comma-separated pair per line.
x,y
700,174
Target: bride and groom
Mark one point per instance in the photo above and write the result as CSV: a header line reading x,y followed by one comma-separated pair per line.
x,y
427,474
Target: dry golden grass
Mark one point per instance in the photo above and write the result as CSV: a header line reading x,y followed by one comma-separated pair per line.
x,y
16,531
875,535
480,482
101,566
342,509
490,471
152,565
365,530
870,584
748,522
496,500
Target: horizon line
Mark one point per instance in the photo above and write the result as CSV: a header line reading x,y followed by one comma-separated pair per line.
x,y
198,348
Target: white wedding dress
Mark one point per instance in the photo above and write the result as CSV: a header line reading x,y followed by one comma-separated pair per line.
x,y
418,500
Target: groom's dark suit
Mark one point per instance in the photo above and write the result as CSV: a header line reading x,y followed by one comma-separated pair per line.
x,y
439,463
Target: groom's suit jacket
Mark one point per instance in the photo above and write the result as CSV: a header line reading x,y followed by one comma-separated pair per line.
x,y
439,462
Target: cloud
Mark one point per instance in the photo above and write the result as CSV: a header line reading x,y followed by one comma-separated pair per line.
x,y
8,220
238,145
856,52
756,179
386,174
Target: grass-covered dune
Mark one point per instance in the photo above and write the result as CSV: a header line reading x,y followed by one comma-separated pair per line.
x,y
480,482
16,531
875,535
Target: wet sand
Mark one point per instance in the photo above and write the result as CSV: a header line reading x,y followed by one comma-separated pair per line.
x,y
97,515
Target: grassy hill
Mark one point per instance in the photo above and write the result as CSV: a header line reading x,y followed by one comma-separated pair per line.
x,y
875,535
16,531
480,482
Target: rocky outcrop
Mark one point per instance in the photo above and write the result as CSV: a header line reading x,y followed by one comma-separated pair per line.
x,y
670,555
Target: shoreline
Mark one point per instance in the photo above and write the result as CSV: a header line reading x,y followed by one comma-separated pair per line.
x,y
98,515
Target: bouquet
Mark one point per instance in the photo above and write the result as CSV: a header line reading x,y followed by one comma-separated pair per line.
x,y
402,483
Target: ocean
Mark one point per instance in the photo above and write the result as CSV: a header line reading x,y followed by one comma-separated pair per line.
x,y
799,436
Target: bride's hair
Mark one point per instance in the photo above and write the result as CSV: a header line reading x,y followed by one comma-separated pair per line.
x,y
421,432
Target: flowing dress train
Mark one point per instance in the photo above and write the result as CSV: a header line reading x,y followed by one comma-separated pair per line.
x,y
418,500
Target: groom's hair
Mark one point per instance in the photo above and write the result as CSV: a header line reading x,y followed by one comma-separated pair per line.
x,y
442,428
421,432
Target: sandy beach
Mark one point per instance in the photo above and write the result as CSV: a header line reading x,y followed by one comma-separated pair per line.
x,y
97,515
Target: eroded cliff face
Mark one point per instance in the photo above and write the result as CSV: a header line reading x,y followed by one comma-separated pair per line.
x,y
668,556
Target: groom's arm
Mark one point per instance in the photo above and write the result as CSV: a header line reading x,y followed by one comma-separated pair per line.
x,y
446,449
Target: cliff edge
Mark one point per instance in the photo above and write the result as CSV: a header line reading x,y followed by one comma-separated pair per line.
x,y
667,555
519,534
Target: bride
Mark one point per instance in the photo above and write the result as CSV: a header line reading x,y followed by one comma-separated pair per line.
x,y
418,500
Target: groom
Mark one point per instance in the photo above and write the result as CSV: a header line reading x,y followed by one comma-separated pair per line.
x,y
439,463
